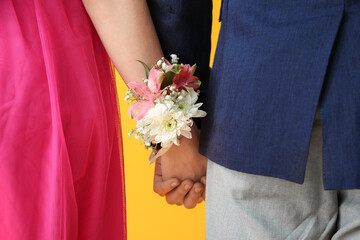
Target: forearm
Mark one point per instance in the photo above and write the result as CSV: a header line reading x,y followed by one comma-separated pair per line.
x,y
128,34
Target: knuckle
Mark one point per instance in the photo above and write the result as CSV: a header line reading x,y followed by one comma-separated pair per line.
x,y
188,181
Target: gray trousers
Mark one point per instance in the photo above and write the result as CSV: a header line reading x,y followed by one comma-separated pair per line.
x,y
247,206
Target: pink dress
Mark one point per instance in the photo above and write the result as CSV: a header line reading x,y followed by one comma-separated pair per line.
x,y
61,171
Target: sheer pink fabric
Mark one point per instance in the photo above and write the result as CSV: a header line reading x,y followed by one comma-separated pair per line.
x,y
61,171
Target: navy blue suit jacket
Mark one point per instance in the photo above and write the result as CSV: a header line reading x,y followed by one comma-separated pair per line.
x,y
275,62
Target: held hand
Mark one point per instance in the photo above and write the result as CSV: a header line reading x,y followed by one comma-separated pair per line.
x,y
180,193
184,161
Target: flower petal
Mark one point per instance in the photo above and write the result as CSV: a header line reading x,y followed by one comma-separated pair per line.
x,y
140,88
139,109
155,79
185,78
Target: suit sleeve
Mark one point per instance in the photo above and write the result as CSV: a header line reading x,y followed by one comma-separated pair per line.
x,y
184,28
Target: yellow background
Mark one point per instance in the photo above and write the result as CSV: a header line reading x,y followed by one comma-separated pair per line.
x,y
148,215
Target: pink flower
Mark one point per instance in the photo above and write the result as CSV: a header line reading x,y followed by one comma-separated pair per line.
x,y
149,93
185,78
139,109
155,79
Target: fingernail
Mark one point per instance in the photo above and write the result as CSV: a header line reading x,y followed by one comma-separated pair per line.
x,y
187,187
203,180
174,184
197,190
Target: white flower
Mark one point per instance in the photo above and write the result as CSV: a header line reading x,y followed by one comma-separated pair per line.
x,y
170,118
188,106
163,66
174,58
165,123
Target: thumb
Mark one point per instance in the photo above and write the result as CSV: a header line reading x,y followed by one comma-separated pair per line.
x,y
160,186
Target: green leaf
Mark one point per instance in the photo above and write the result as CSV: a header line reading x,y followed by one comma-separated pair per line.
x,y
147,69
168,79
194,69
176,69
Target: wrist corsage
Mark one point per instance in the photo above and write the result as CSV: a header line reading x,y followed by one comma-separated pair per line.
x,y
164,104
